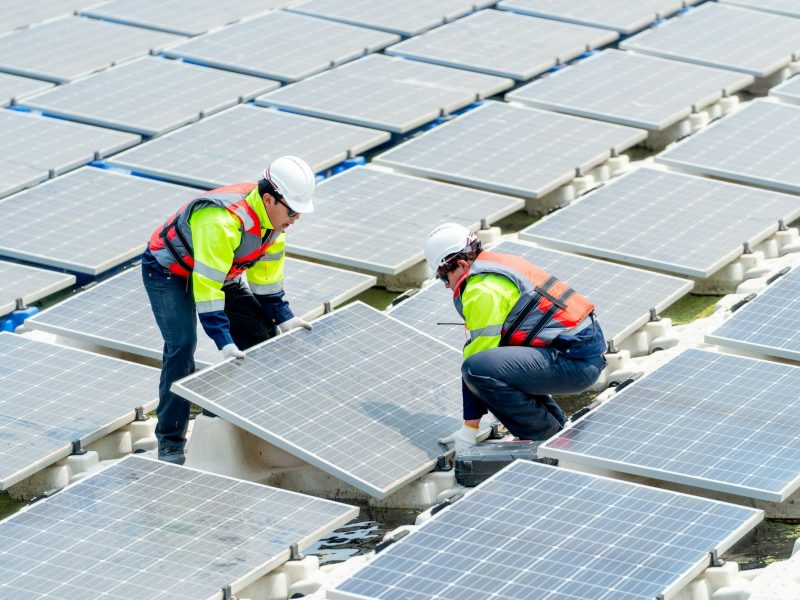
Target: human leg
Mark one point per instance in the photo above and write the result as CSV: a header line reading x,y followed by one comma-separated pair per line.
x,y
174,311
515,383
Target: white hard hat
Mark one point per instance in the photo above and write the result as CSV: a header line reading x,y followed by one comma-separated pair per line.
x,y
446,239
294,180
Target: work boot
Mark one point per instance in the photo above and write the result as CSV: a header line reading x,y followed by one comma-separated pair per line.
x,y
172,454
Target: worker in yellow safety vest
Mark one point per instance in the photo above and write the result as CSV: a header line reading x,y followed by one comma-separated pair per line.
x,y
530,335
193,265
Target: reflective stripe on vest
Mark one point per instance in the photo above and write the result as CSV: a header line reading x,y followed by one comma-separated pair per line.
x,y
546,307
171,244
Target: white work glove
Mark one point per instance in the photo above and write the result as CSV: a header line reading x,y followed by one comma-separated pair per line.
x,y
231,351
293,323
464,438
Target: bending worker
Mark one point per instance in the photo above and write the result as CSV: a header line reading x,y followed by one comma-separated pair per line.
x,y
530,335
194,264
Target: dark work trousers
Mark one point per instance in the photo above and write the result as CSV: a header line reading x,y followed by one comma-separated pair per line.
x,y
515,383
173,306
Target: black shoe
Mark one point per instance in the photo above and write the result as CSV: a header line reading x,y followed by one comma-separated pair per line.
x,y
172,455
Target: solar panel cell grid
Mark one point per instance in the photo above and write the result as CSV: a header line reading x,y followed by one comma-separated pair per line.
x,y
787,8
767,324
631,89
22,14
13,87
149,96
28,283
667,221
362,397
504,44
704,419
758,145
788,91
514,150
235,144
534,531
317,45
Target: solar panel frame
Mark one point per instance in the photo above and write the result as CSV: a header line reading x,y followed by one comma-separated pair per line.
x,y
122,303
32,13
631,89
317,45
395,457
352,210
535,135
51,147
56,51
787,8
622,16
388,93
762,131
47,383
688,206
788,91
504,44
149,96
647,429
620,287
171,16
203,533
74,211
415,17
29,284
14,87
735,31
765,325
235,144
535,531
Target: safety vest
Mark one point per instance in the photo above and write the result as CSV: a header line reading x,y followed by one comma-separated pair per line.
x,y
171,244
546,307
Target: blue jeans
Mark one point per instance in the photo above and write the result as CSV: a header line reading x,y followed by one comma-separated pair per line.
x,y
172,301
515,383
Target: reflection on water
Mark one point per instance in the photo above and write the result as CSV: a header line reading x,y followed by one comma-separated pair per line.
x,y
354,538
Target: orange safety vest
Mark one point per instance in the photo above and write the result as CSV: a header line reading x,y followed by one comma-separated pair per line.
x,y
171,244
546,308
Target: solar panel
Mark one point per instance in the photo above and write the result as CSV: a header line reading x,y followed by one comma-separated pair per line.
x,y
759,145
172,15
51,396
22,14
622,296
787,8
538,532
378,221
29,284
631,89
667,221
235,144
149,96
714,421
788,91
728,37
408,18
13,88
393,94
316,45
50,147
147,529
58,51
624,16
116,313
362,397
767,324
88,221
505,44
509,149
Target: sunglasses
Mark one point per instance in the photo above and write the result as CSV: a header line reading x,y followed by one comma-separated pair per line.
x,y
291,213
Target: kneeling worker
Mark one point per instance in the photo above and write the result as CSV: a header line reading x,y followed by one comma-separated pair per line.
x,y
530,335
194,264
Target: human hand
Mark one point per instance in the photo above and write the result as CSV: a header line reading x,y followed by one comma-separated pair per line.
x,y
464,438
231,351
293,323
